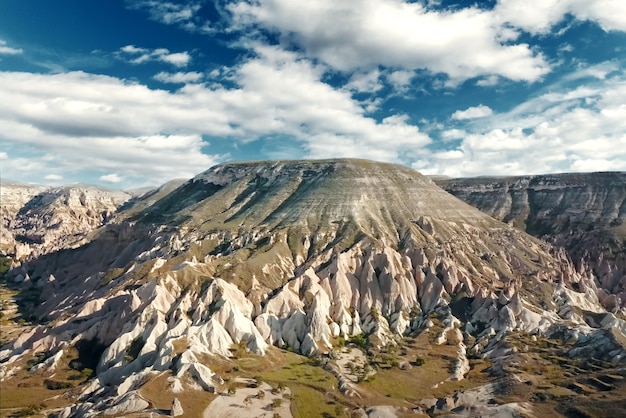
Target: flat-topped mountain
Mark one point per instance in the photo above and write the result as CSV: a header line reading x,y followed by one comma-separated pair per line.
x,y
311,193
199,285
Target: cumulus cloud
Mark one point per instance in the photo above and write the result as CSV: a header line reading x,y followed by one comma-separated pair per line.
x,y
400,79
7,50
169,12
539,16
183,14
363,34
452,134
179,77
462,43
479,111
365,82
488,81
583,129
139,133
112,178
53,177
136,55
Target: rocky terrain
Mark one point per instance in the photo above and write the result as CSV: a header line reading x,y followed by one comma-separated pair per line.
x,y
333,288
37,220
583,213
13,197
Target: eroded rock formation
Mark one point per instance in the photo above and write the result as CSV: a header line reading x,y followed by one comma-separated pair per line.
x,y
297,255
37,220
581,212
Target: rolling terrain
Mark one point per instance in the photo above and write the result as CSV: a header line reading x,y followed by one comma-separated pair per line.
x,y
308,288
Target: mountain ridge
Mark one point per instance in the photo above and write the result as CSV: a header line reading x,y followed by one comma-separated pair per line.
x,y
581,212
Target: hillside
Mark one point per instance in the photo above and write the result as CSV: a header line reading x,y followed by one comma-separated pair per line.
x,y
369,270
581,212
37,219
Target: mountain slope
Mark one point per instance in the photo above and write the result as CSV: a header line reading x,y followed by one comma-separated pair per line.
x,y
38,220
584,213
13,196
301,255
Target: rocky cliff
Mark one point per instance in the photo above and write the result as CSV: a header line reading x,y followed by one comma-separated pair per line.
x,y
583,213
13,197
37,219
300,255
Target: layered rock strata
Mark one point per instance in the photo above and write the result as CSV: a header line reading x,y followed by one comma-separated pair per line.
x,y
581,212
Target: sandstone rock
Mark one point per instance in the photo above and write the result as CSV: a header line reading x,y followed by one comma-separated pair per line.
x,y
129,403
53,218
582,212
176,409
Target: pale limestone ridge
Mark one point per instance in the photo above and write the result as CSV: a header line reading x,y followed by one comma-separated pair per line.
x,y
37,219
13,197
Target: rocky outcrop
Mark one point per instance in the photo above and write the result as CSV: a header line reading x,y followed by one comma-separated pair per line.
x,y
13,197
583,213
295,255
177,409
37,220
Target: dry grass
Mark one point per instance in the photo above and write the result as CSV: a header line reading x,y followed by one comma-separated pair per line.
x,y
194,402
314,389
25,388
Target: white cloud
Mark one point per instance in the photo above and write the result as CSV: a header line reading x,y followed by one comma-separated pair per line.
x,y
112,178
479,111
365,82
539,16
452,134
488,81
400,80
179,77
183,14
132,49
179,59
7,50
597,165
142,133
583,129
53,177
449,155
363,34
137,55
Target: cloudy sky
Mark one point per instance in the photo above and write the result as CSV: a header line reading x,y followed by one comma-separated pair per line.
x,y
137,92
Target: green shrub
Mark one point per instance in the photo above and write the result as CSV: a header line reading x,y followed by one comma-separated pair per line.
x,y
86,373
419,361
359,340
28,411
56,385
111,275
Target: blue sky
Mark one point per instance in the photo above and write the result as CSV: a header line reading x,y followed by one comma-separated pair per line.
x,y
137,92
